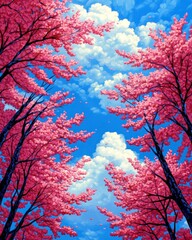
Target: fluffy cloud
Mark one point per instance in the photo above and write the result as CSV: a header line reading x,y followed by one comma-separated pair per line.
x,y
95,90
100,60
96,87
102,64
112,148
103,50
97,12
143,32
95,74
92,83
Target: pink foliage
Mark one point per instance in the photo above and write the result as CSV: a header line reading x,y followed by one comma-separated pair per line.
x,y
164,96
149,206
36,39
158,101
31,32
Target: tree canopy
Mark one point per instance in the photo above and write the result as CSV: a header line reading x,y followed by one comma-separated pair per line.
x,y
36,39
158,101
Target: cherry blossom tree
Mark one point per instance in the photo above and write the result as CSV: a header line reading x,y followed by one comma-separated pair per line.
x,y
151,212
159,102
36,143
35,172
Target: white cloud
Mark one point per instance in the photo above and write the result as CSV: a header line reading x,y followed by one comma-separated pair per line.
x,y
144,30
100,60
103,50
96,79
96,13
95,74
112,148
95,87
95,90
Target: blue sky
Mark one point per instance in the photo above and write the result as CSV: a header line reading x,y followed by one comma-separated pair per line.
x,y
105,68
